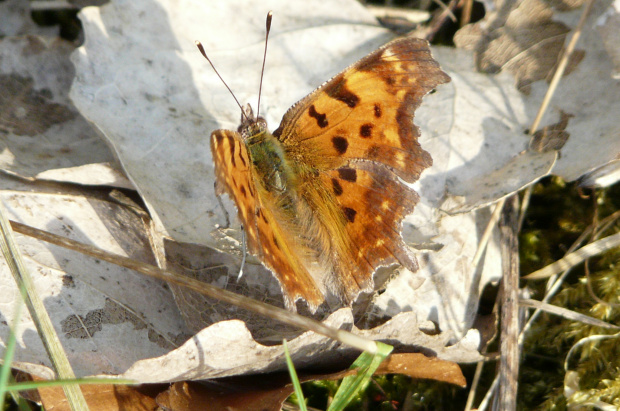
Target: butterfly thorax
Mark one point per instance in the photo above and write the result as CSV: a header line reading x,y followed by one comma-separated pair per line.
x,y
272,170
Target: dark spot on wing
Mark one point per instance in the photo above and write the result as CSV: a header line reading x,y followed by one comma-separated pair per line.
x,y
275,242
261,215
321,119
348,174
366,130
337,187
338,90
349,213
340,144
232,151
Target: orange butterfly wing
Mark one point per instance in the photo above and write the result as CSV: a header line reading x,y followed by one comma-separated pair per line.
x,y
356,133
366,112
266,237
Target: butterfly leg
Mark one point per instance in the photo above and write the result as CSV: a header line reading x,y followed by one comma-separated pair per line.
x,y
245,253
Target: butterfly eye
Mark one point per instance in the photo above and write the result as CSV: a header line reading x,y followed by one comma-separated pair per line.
x,y
261,122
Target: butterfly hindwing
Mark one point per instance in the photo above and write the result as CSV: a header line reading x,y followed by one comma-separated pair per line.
x,y
373,203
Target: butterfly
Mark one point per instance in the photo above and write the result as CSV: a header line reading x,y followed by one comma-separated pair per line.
x,y
322,198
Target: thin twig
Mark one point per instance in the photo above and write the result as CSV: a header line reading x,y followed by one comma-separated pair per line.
x,y
438,20
576,257
525,202
562,65
509,347
567,314
484,240
468,6
479,368
269,311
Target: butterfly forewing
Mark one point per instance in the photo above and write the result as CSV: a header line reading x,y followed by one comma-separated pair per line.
x,y
266,237
366,112
234,177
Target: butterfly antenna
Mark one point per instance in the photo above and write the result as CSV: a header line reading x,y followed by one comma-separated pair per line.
x,y
260,87
202,51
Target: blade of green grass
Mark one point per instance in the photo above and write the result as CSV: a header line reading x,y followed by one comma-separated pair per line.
x,y
366,364
21,402
33,385
296,385
5,368
37,311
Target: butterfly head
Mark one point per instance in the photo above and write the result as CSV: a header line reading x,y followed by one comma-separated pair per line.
x,y
251,125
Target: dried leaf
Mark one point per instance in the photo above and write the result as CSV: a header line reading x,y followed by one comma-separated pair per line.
x,y
527,44
42,131
609,27
100,398
587,91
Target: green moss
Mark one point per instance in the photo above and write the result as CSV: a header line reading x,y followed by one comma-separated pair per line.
x,y
558,214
